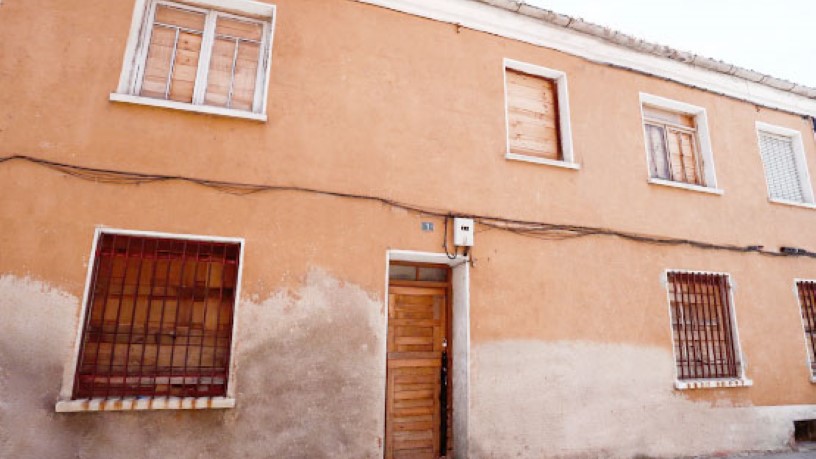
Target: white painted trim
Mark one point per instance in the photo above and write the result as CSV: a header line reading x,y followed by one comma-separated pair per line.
x,y
742,380
426,257
66,404
542,161
785,202
703,138
130,79
485,18
564,123
142,404
795,137
206,109
686,186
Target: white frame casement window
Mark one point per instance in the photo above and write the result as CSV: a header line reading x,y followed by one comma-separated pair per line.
x,y
135,58
705,155
802,175
564,125
67,404
712,383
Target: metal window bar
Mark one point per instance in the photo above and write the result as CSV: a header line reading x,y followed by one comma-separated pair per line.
x,y
180,279
807,301
701,326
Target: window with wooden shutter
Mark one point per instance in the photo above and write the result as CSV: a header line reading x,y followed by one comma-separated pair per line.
x,y
784,164
807,303
672,143
201,57
532,111
703,326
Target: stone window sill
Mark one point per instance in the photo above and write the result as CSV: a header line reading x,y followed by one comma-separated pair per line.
x,y
219,111
140,404
685,186
544,161
712,383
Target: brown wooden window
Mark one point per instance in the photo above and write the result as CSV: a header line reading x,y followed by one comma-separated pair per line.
x,y
200,57
158,319
673,146
807,302
533,116
703,326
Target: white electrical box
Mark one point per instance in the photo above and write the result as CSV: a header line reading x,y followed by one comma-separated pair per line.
x,y
463,232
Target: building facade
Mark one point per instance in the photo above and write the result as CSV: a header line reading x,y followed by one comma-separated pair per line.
x,y
394,228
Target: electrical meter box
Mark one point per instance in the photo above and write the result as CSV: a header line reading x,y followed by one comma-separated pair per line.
x,y
463,232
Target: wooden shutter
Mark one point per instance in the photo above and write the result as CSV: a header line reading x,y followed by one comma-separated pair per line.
x,y
173,54
532,110
781,170
672,141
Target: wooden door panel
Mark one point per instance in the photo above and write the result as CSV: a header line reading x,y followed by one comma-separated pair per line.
x,y
416,331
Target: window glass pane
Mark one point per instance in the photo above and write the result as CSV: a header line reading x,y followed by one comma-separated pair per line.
x,y
656,141
246,72
157,66
433,274
180,18
239,29
402,272
185,67
220,76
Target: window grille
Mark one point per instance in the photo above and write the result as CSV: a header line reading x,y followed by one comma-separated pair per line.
x,y
781,169
158,319
807,302
702,326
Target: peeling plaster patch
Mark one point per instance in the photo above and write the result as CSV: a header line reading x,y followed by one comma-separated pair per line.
x,y
309,382
577,399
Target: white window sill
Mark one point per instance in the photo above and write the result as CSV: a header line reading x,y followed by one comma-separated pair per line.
x,y
806,205
712,383
138,404
544,161
219,111
686,186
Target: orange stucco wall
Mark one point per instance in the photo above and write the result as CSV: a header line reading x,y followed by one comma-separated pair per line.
x,y
370,101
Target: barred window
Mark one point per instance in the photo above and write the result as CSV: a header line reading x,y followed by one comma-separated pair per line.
x,y
807,302
703,326
158,318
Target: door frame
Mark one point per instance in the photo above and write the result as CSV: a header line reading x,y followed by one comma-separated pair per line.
x,y
460,334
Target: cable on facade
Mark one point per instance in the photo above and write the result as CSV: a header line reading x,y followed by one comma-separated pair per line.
x,y
539,230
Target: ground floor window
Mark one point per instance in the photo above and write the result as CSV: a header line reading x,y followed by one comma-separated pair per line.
x,y
703,327
158,318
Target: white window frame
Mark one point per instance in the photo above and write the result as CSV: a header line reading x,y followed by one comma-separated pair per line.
x,y
706,154
808,358
795,137
564,127
65,404
138,42
708,383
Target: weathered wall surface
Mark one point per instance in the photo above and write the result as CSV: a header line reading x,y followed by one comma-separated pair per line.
x,y
293,401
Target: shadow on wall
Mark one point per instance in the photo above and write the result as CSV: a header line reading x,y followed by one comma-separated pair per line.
x,y
309,382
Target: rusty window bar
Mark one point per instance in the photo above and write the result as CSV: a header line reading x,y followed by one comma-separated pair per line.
x,y
155,292
807,302
702,328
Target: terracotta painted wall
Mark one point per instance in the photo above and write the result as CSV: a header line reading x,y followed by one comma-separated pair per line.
x,y
571,345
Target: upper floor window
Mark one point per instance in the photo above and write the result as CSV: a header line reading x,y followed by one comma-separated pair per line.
x,y
679,151
538,122
807,304
198,57
783,158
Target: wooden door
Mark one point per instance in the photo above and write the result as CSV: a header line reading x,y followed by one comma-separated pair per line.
x,y
417,334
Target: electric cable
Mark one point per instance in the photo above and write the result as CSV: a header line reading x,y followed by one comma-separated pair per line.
x,y
538,230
